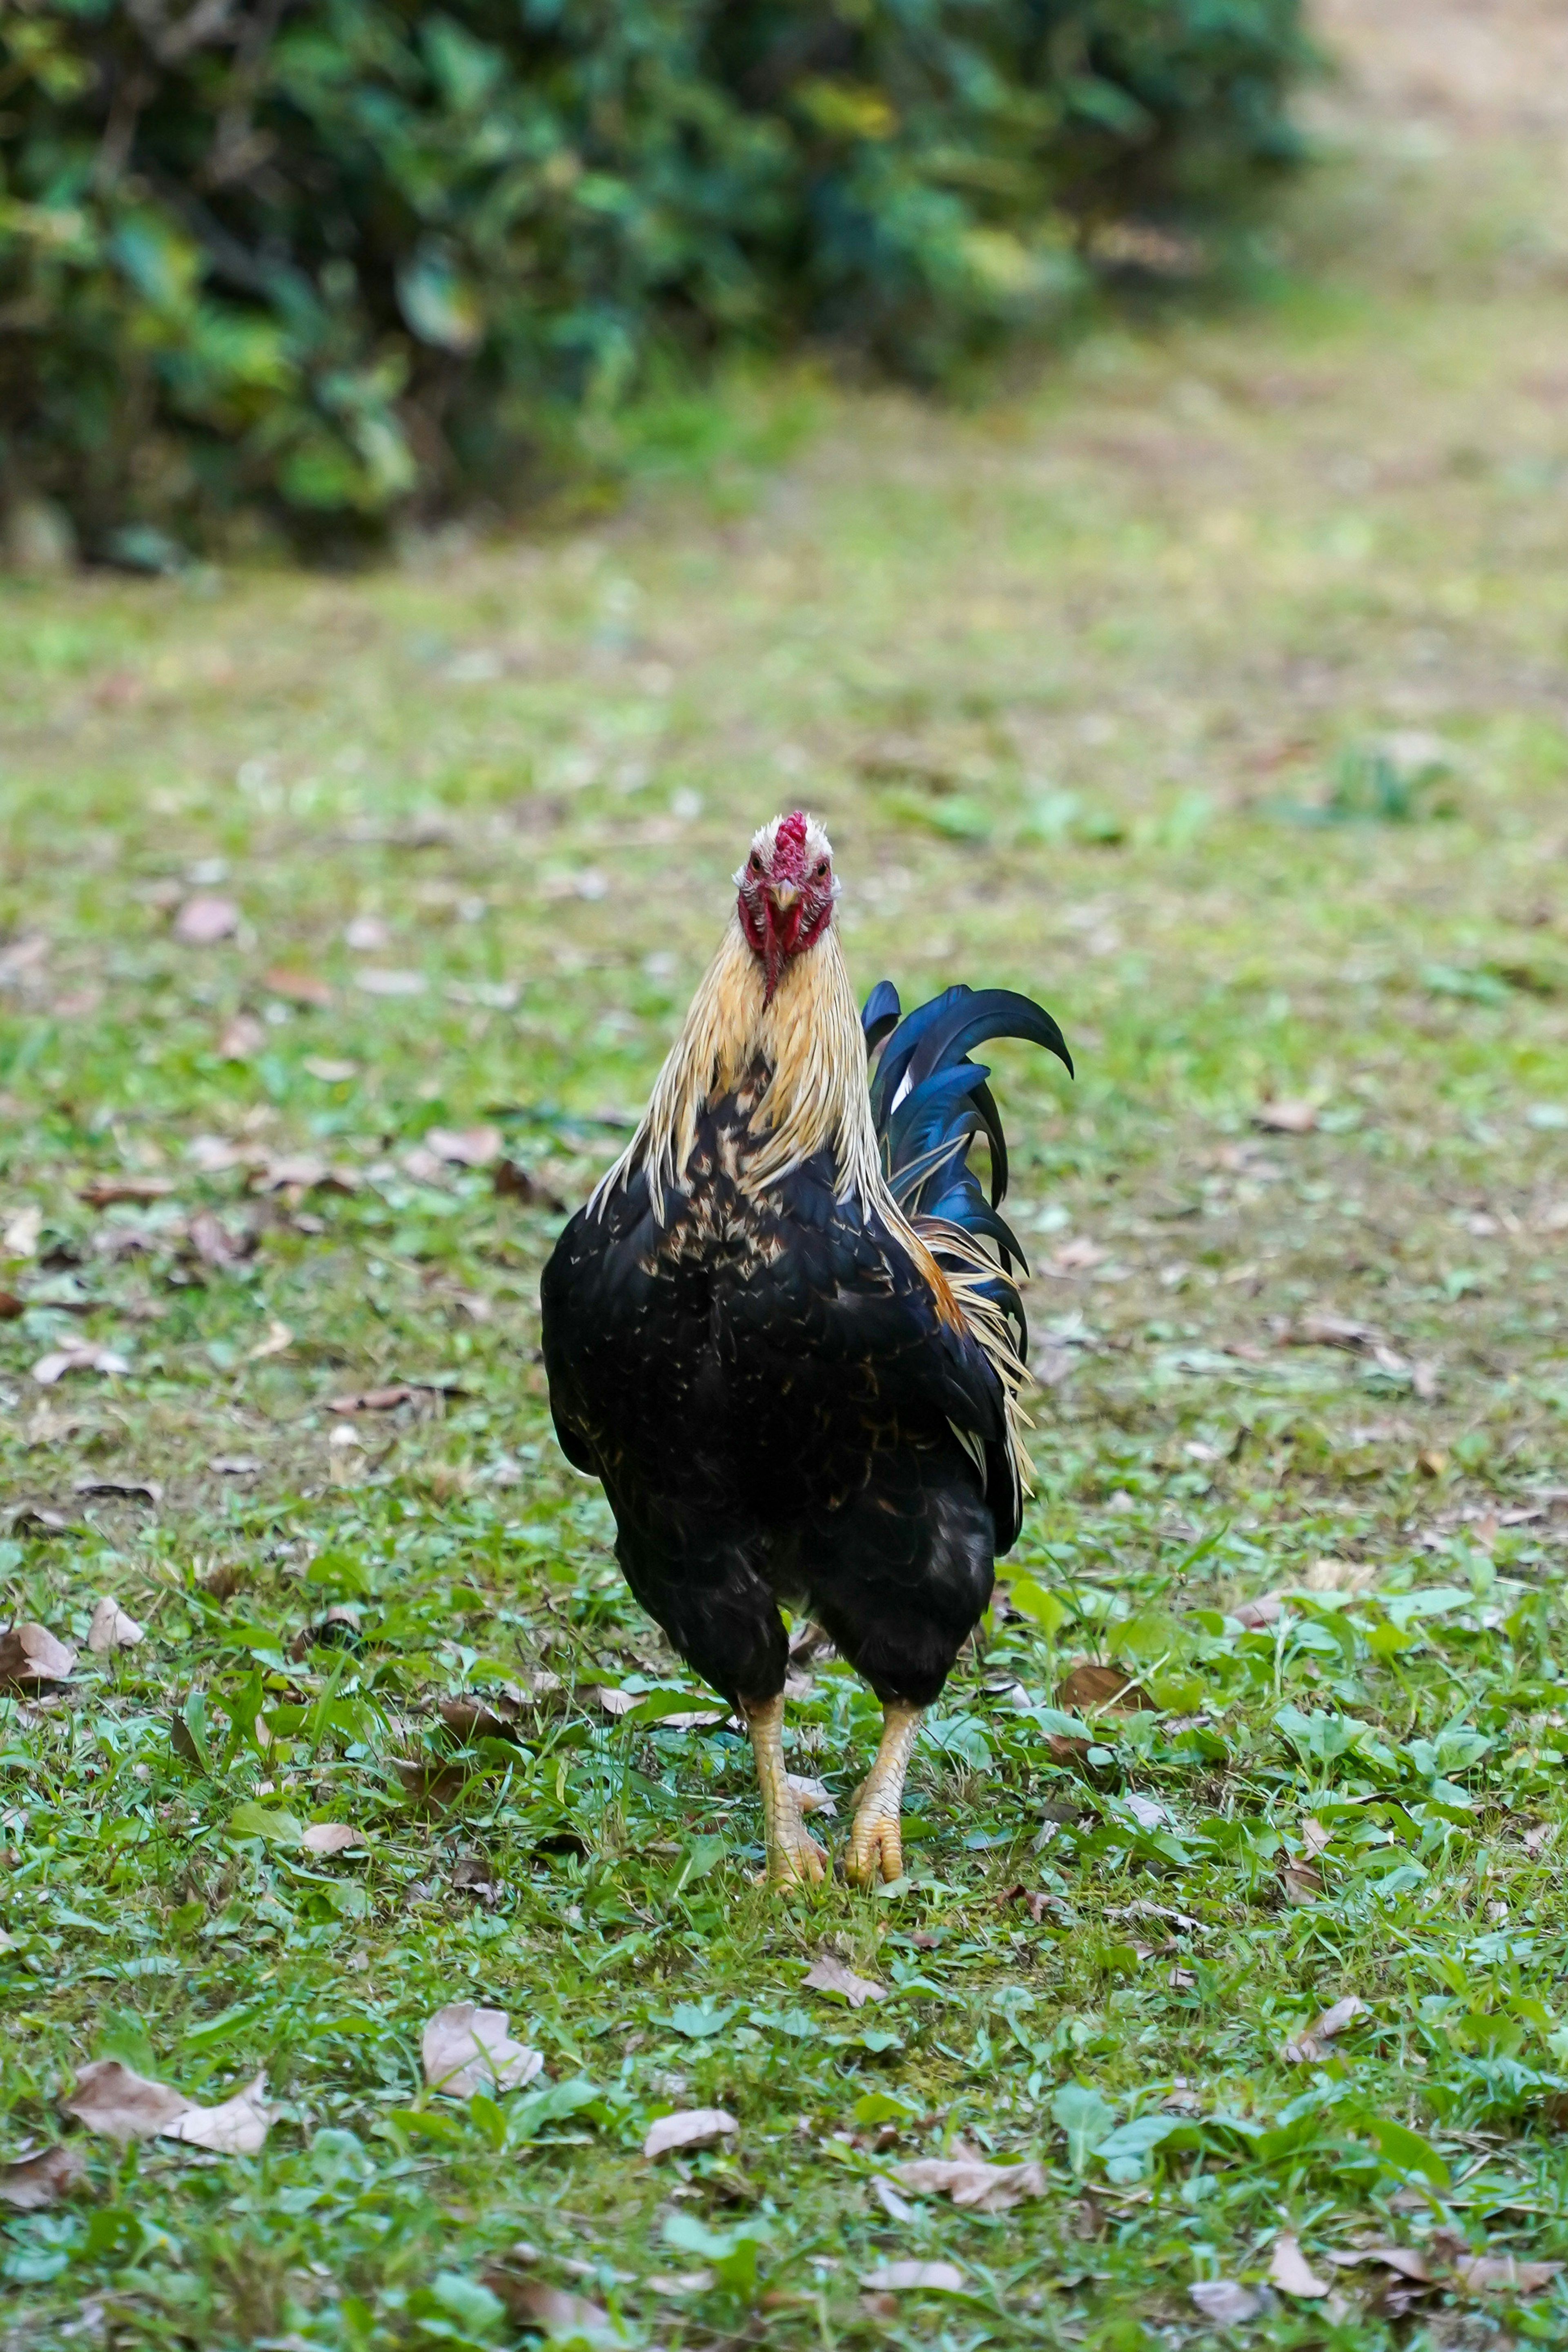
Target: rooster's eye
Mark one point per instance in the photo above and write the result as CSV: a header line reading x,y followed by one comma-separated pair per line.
x,y
755,863
819,870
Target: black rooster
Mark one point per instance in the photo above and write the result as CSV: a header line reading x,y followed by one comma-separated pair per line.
x,y
777,1333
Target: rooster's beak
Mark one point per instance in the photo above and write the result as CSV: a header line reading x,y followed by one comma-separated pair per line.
x,y
783,895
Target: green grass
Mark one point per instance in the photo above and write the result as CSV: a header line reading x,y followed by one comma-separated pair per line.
x,y
1207,684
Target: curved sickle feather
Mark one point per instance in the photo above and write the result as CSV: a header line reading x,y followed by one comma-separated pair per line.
x,y
879,1016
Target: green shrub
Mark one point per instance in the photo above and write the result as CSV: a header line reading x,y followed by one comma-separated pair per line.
x,y
342,256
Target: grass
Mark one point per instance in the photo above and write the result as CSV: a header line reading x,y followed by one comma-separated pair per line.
x,y
1208,684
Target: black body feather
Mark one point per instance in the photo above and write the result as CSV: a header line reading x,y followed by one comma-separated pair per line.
x,y
775,1403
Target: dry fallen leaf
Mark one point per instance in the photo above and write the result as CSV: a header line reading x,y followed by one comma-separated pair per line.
x,y
390,983
111,1629
1490,2273
1408,2261
1263,1611
1340,1575
513,1181
202,921
1079,1255
937,2278
1309,2048
331,1071
1315,1837
828,1973
149,1489
696,2128
1090,1689
467,2049
77,1356
279,1338
212,1242
30,1656
970,2180
123,2106
1285,1117
1226,2302
20,1238
812,1796
1303,1881
298,987
103,1192
548,2307
236,2127
34,2182
241,1038
614,1701
384,1400
1290,2272
467,1147
333,1837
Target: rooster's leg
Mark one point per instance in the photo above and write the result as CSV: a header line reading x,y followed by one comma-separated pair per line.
x,y
875,1842
792,1855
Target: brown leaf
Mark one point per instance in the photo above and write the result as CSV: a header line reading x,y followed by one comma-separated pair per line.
x,y
385,1400
1308,2049
1263,1611
1226,2302
241,1038
1340,1575
333,1837
236,2127
548,2307
301,1172
298,987
615,1702
1432,1461
110,2098
513,1182
1285,1117
278,1339
390,983
33,2182
465,1146
969,2180
1079,1255
694,2127
473,1718
828,1974
111,1629
77,1356
11,1306
1493,2273
212,1242
1290,2272
150,1489
30,1656
202,921
1408,2261
812,1796
467,2049
1301,1881
1091,1689
102,1191
1315,1837
935,2278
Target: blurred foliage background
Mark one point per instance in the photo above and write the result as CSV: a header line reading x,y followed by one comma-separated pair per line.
x,y
329,261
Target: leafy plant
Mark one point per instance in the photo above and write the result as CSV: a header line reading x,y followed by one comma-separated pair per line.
x,y
345,256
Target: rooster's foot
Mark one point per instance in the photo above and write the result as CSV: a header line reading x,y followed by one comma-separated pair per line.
x,y
876,1841
876,1850
796,1861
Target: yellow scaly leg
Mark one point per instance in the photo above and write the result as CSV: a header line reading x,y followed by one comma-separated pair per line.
x,y
793,1856
875,1842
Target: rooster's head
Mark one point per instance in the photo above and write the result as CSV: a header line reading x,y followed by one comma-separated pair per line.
x,y
787,891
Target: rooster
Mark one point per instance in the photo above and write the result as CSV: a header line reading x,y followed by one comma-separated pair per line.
x,y
783,1333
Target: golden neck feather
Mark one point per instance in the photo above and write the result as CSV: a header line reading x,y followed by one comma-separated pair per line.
x,y
810,1039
